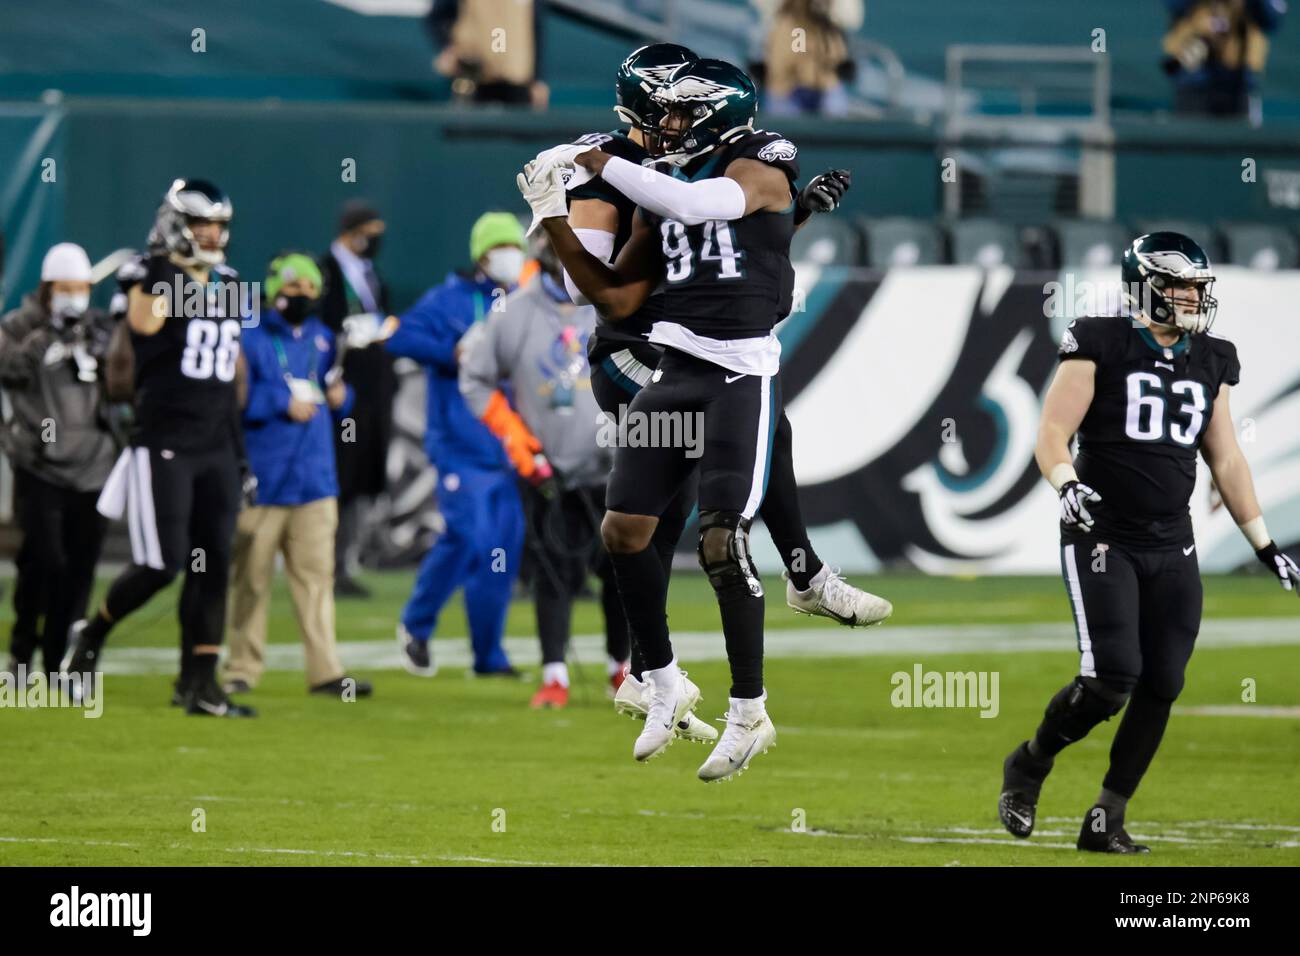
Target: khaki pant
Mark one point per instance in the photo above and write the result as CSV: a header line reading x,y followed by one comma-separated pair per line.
x,y
304,534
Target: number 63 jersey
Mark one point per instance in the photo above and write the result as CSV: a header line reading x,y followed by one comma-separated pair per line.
x,y
185,372
1139,439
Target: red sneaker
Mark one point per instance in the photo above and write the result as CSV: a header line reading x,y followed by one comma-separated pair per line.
x,y
616,679
554,695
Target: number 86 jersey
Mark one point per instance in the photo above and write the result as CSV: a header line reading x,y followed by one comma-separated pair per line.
x,y
185,372
1139,440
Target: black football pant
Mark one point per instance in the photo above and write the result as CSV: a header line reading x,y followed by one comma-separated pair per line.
x,y
1136,614
181,513
564,539
696,415
62,537
616,378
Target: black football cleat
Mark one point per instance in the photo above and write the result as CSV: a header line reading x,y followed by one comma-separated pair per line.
x,y
341,688
1110,838
209,700
1022,780
82,658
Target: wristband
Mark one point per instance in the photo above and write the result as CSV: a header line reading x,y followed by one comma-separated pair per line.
x,y
1060,474
1256,533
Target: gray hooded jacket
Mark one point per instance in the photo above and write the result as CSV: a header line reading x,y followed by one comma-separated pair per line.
x,y
55,429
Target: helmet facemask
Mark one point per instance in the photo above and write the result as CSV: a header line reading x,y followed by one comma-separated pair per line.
x,y
200,255
186,205
1183,304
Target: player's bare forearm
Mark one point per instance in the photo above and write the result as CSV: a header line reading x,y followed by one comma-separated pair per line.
x,y
1052,448
1236,487
1228,464
1066,402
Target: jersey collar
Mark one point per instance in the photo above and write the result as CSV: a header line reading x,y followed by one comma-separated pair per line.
x,y
1178,348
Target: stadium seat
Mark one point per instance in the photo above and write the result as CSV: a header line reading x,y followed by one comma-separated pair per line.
x,y
1202,233
1092,243
899,241
827,241
1259,245
985,242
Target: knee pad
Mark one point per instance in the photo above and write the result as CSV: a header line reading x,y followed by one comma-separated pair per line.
x,y
724,554
1085,703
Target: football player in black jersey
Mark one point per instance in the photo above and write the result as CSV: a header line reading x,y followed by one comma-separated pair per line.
x,y
622,360
1144,393
179,481
718,238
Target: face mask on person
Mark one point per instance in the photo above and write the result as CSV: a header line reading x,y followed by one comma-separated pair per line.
x,y
69,305
369,246
295,308
503,265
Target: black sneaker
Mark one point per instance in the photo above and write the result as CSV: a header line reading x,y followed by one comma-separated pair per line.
x,y
1102,835
346,587
1022,779
509,671
209,700
343,686
416,656
82,658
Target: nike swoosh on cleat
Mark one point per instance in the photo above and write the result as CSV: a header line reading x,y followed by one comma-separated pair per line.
x,y
1020,818
843,619
218,711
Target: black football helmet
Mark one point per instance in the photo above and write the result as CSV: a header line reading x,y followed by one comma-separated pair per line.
x,y
644,71
705,104
1154,265
186,202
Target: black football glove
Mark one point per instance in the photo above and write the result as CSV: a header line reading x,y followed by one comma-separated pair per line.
x,y
824,192
1075,498
1281,565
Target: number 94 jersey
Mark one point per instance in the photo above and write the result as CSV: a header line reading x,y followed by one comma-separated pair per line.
x,y
185,372
1139,439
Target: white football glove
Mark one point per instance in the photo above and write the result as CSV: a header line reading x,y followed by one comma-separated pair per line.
x,y
1280,564
571,174
543,190
1075,498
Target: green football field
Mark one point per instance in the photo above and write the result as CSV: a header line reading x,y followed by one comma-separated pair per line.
x,y
455,770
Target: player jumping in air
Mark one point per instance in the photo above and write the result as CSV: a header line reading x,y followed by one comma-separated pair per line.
x,y
718,238
1144,395
622,361
179,481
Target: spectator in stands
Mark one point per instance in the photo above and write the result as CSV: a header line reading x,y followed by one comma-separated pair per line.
x,y
538,345
294,389
807,61
58,441
353,285
471,37
1215,52
477,493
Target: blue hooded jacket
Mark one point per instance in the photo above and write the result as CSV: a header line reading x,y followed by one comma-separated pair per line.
x,y
454,437
293,461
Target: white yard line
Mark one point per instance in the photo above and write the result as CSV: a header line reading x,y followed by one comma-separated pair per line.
x,y
279,851
829,640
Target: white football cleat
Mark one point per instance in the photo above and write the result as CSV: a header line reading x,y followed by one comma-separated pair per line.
x,y
749,733
633,699
831,596
670,700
